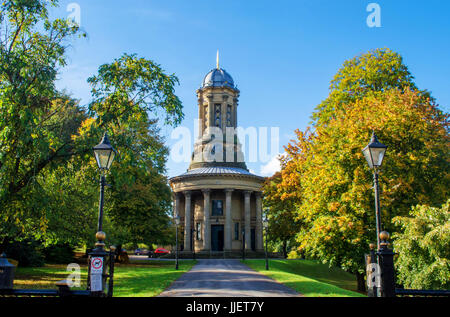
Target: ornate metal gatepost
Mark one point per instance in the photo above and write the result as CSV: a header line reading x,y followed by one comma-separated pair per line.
x,y
386,261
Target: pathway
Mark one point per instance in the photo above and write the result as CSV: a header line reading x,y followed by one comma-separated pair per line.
x,y
226,278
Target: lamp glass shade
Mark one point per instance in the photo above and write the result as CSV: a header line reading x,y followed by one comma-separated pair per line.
x,y
104,153
104,158
374,152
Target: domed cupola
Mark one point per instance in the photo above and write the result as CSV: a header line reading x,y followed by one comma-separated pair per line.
x,y
218,77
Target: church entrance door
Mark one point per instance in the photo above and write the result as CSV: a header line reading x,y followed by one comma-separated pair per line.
x,y
217,237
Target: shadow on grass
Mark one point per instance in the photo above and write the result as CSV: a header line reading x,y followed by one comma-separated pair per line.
x,y
310,278
143,279
318,271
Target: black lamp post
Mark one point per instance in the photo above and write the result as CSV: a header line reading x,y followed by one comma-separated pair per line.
x,y
374,154
104,155
266,228
177,223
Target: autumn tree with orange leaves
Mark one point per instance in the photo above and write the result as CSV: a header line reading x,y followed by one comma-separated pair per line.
x,y
325,174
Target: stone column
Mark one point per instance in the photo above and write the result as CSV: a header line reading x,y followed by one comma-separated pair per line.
x,y
224,109
211,115
187,221
201,116
176,204
228,220
235,106
206,224
247,219
259,226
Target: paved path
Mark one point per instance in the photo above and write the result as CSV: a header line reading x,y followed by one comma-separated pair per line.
x,y
226,278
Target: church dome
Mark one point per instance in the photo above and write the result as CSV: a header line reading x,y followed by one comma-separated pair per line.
x,y
218,77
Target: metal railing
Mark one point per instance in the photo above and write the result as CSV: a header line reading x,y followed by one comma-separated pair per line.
x,y
416,292
381,275
64,286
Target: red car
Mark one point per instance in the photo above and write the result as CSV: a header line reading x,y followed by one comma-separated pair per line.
x,y
160,251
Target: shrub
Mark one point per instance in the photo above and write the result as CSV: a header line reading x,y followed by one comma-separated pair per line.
x,y
424,248
61,253
27,252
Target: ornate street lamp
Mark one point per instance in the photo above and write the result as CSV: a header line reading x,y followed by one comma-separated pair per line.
x,y
266,229
104,155
374,153
177,223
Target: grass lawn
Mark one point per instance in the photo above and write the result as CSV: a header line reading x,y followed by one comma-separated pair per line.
x,y
136,279
309,278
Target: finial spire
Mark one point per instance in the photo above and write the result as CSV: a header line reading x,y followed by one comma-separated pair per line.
x,y
217,60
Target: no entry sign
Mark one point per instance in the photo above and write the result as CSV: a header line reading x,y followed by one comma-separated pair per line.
x,y
96,274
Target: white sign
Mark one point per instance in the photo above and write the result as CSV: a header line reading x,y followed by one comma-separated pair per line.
x,y
97,265
96,282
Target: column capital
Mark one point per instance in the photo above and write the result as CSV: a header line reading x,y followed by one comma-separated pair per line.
x,y
187,193
229,190
176,195
206,191
247,192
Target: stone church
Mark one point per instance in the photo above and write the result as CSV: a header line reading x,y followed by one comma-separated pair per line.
x,y
218,200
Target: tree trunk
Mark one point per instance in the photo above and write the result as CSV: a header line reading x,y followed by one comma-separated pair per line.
x,y
361,282
3,245
285,249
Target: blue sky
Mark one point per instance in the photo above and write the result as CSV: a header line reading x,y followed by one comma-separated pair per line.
x,y
281,54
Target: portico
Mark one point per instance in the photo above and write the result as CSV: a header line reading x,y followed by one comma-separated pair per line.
x,y
216,216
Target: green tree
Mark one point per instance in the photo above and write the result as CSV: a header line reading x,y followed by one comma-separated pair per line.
x,y
283,224
30,139
128,96
423,248
48,187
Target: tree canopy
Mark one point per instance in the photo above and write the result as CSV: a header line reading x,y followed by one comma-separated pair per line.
x,y
48,176
325,172
375,71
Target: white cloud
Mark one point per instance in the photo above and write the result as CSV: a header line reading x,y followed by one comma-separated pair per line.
x,y
271,167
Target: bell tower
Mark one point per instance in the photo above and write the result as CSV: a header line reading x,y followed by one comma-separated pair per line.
x,y
217,144
218,198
